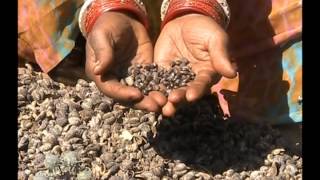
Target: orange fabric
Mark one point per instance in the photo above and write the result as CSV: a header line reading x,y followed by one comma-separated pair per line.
x,y
258,30
48,28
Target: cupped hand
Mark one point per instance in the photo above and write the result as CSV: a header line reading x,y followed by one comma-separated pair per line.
x,y
117,41
205,44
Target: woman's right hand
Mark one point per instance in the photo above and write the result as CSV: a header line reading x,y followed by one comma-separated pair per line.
x,y
117,41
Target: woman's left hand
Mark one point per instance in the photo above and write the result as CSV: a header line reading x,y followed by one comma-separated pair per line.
x,y
204,43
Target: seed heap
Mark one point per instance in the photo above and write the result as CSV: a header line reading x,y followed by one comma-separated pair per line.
x,y
78,133
152,77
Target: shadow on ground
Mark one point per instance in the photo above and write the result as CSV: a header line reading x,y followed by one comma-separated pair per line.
x,y
202,140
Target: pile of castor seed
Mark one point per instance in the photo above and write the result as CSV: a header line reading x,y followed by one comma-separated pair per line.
x,y
76,132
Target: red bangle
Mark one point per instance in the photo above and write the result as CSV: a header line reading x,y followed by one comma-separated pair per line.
x,y
99,6
206,7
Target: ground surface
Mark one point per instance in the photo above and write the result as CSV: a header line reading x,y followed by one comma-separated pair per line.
x,y
70,132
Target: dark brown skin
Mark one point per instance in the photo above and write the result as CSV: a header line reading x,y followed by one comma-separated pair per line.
x,y
107,48
196,37
204,43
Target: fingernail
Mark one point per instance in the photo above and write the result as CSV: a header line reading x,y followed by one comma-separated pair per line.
x,y
232,71
234,66
96,69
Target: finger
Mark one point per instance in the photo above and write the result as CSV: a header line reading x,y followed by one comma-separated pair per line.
x,y
158,97
178,96
147,104
102,46
200,86
90,61
145,48
168,110
111,87
220,57
144,54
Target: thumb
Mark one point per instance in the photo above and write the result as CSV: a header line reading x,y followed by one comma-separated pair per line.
x,y
103,50
220,58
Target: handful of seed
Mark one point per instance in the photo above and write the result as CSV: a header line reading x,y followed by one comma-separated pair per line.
x,y
152,77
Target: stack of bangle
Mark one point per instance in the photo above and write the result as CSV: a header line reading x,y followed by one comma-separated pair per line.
x,y
92,9
217,9
170,9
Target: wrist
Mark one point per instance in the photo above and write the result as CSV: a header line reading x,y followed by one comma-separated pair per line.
x,y
93,9
216,9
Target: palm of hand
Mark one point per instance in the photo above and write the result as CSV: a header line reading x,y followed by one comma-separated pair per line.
x,y
204,43
195,37
123,40
116,41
